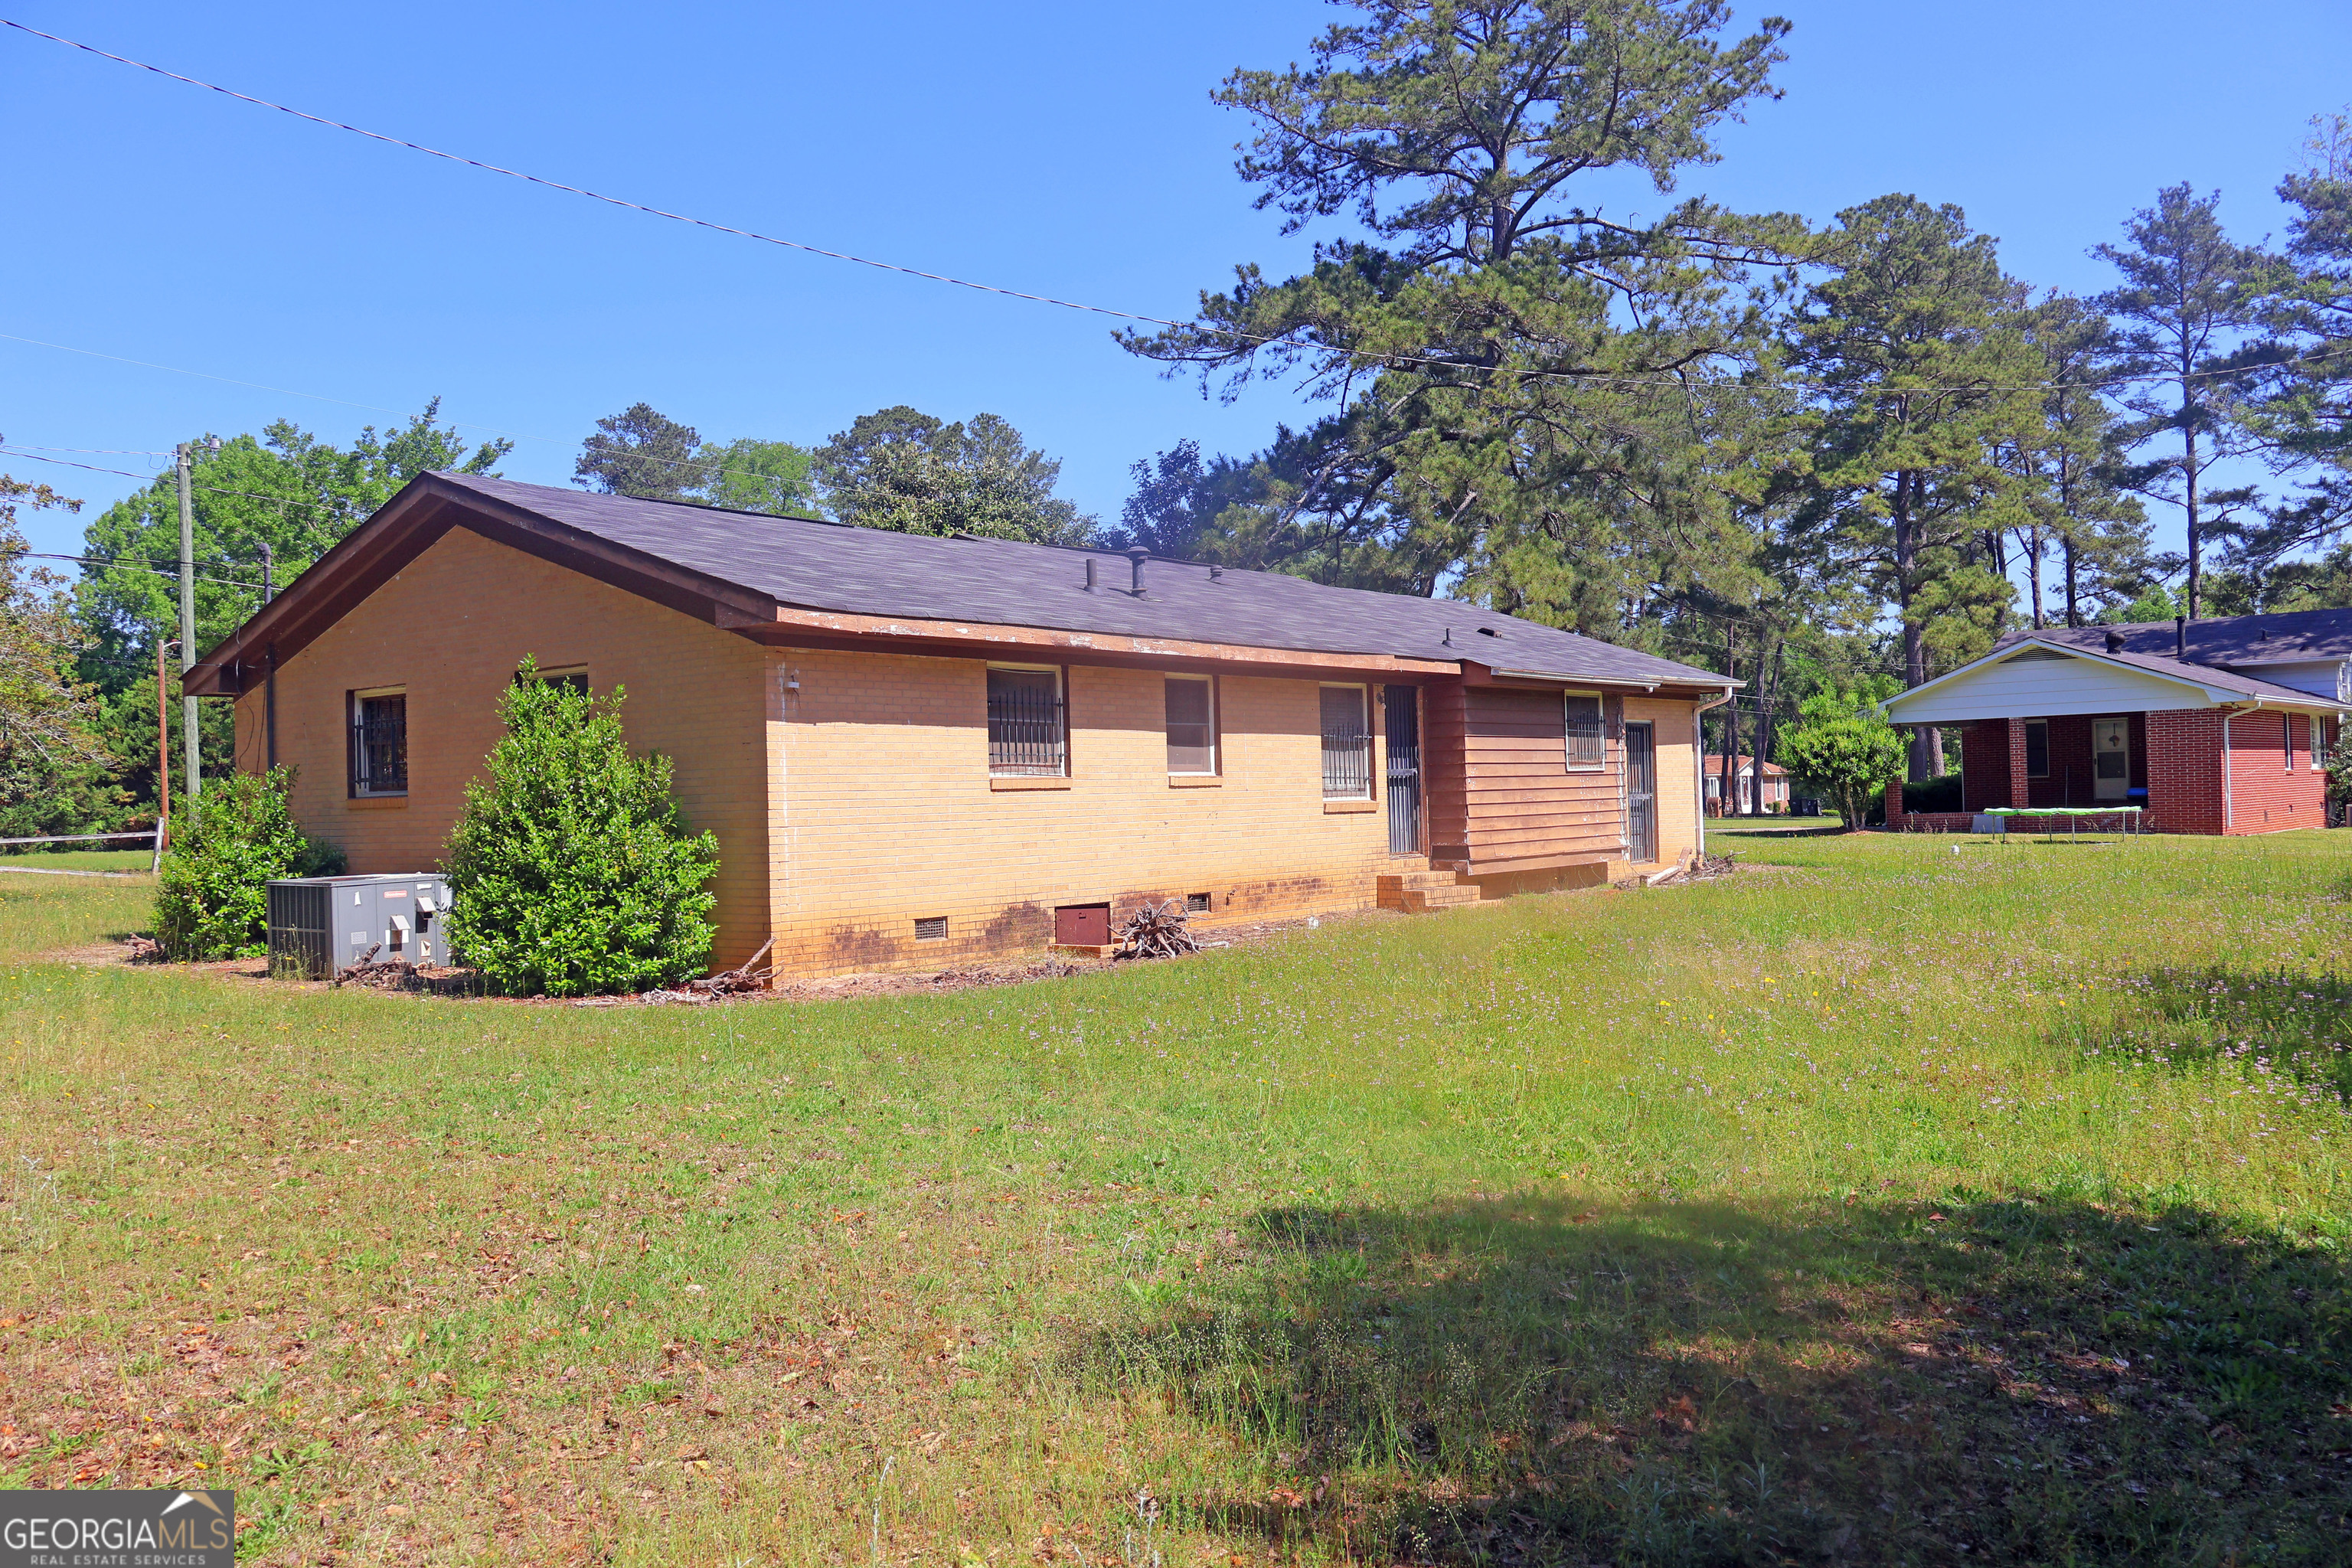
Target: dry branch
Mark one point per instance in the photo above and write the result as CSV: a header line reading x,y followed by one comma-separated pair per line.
x,y
1157,930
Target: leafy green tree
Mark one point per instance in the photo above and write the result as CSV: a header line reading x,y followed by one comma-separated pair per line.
x,y
285,489
1916,340
48,716
212,891
1843,747
752,475
2154,603
642,452
2189,299
1528,398
571,871
904,470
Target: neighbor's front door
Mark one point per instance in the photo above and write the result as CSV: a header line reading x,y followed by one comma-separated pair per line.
x,y
2110,758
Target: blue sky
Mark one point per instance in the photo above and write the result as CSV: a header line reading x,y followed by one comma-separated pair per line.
x,y
1064,149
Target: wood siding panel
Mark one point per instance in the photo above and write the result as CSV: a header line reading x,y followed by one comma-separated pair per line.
x,y
1520,802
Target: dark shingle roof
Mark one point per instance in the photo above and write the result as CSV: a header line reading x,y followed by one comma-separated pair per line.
x,y
2289,636
808,564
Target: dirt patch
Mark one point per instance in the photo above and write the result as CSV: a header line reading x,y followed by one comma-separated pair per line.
x,y
464,985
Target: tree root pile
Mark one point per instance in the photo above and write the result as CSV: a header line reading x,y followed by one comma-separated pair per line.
x,y
1157,930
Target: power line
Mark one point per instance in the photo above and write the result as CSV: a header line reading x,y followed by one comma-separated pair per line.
x,y
1254,339
97,451
153,478
122,562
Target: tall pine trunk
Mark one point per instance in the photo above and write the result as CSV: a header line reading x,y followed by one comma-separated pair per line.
x,y
1927,746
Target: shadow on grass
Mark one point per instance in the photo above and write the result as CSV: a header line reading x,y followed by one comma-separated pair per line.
x,y
2286,1027
1516,1382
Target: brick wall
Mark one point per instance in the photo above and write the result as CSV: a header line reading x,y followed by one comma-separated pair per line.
x,y
886,813
851,808
2184,779
1984,764
1675,731
2273,786
451,628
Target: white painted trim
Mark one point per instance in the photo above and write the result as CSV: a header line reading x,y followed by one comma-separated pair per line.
x,y
1698,769
2212,696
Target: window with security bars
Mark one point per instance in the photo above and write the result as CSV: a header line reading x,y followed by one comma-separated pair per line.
x,y
1585,747
379,742
1027,736
1346,744
1192,725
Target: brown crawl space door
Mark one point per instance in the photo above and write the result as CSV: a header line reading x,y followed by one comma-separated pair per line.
x,y
1082,925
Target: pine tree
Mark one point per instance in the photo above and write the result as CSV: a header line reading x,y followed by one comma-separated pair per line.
x,y
1916,340
2190,297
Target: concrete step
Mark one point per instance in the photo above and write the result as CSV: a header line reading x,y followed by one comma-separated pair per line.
x,y
1389,882
1423,900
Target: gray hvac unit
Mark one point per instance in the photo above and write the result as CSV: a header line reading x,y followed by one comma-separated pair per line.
x,y
320,925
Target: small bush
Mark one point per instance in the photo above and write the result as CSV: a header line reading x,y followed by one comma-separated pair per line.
x,y
211,898
1847,750
571,871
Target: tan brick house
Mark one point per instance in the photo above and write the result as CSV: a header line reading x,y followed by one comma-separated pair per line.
x,y
918,752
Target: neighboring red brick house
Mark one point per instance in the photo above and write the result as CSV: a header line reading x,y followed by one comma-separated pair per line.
x,y
1748,797
919,752
2219,727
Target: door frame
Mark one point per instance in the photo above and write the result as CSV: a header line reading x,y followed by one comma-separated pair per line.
x,y
1419,783
1646,851
2119,724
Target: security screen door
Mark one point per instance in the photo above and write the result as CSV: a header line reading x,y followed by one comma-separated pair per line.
x,y
2111,758
1640,794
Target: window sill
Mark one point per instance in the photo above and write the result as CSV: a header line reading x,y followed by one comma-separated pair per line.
x,y
1018,782
376,802
1340,807
1195,781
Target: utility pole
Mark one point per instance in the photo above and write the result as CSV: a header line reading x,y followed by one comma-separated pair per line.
x,y
163,755
189,728
270,660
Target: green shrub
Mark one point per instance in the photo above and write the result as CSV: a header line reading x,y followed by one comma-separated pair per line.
x,y
1846,748
212,896
571,871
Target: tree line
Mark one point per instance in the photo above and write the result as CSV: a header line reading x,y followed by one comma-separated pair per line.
x,y
1829,458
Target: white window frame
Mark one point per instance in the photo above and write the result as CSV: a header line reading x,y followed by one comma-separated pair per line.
x,y
1216,748
1567,749
1372,744
350,724
1061,706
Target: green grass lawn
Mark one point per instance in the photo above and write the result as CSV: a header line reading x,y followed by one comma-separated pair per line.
x,y
1878,1204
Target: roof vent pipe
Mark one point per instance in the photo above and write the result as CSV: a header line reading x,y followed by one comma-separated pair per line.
x,y
1139,554
2115,642
1090,573
2180,637
1216,573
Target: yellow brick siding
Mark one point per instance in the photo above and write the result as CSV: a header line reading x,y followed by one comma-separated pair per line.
x,y
861,802
451,628
885,814
1671,729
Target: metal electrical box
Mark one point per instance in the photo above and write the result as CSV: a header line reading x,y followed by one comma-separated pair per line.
x,y
320,924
